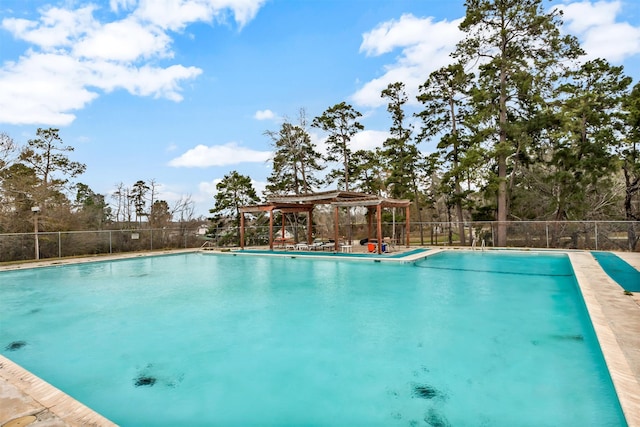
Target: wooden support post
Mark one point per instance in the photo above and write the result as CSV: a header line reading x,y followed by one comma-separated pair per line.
x,y
408,224
283,224
336,231
241,230
271,229
309,225
379,219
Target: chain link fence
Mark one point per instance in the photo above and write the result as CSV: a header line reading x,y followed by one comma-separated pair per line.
x,y
584,235
25,246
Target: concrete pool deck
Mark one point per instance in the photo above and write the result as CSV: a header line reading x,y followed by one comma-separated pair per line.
x,y
28,400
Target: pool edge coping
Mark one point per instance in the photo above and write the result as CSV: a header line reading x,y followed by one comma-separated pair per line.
x,y
599,293
332,257
39,398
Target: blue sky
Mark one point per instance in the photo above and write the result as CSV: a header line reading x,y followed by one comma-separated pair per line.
x,y
182,91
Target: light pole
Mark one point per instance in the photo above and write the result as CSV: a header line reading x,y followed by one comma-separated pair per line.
x,y
36,210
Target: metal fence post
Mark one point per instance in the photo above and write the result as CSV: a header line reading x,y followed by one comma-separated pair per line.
x,y
59,245
596,232
546,226
493,237
110,248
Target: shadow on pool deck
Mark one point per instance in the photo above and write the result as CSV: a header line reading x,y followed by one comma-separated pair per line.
x,y
615,316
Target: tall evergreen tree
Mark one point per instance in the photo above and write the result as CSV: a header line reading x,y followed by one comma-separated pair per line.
x,y
404,160
445,98
138,198
629,152
340,122
295,160
234,191
159,214
367,173
92,207
8,150
582,156
19,187
520,50
47,157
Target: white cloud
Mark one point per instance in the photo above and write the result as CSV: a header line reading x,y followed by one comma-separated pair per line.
x,y
581,16
116,5
209,188
364,140
264,115
319,141
368,139
42,88
219,155
260,186
47,87
74,56
600,30
387,36
176,14
143,81
425,46
56,28
126,40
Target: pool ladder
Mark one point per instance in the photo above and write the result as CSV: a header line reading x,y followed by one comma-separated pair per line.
x,y
473,245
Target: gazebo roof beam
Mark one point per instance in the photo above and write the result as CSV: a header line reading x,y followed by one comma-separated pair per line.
x,y
325,196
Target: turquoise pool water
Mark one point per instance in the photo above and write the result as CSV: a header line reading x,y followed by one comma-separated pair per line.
x,y
619,270
460,339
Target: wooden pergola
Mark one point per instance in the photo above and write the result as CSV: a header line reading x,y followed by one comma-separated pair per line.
x,y
305,203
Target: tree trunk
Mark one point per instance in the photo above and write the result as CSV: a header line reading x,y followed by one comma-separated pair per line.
x,y
460,218
501,238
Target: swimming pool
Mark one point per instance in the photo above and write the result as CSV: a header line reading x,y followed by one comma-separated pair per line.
x,y
219,340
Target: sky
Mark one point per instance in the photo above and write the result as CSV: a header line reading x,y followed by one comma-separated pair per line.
x,y
181,92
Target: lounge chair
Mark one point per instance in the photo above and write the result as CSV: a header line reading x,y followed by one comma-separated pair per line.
x,y
317,244
322,245
328,245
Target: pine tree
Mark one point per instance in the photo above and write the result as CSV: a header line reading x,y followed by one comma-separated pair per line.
x,y
400,153
295,160
520,51
233,192
445,96
629,152
340,121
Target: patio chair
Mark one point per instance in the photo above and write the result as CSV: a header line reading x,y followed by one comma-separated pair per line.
x,y
317,244
331,244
